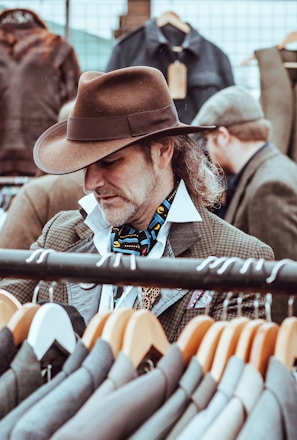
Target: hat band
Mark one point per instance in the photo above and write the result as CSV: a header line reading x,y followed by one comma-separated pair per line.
x,y
121,127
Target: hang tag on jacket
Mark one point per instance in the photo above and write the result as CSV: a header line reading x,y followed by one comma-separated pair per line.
x,y
177,80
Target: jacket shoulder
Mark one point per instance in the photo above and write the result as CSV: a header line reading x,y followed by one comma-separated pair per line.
x,y
232,242
63,231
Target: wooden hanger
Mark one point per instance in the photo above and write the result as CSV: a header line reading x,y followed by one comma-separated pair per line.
x,y
172,18
246,339
20,322
192,335
115,327
144,332
94,329
292,36
207,349
263,346
51,323
286,342
9,304
227,346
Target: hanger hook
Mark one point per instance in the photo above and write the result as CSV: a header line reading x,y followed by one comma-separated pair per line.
x,y
225,305
103,258
268,302
290,306
256,305
36,292
219,261
133,262
50,291
276,270
43,254
246,265
260,264
226,264
239,304
39,255
117,260
205,263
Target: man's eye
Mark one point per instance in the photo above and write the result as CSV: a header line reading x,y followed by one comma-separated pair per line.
x,y
109,164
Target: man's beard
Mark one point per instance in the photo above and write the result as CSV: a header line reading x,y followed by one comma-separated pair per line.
x,y
127,213
119,216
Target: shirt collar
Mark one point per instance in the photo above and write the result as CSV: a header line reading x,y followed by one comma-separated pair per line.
x,y
182,210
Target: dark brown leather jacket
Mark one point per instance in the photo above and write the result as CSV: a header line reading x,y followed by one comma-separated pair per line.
x,y
39,73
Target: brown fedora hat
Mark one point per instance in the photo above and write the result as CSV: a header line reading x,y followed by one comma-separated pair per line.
x,y
111,111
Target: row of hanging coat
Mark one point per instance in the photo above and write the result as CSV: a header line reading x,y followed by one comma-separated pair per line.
x,y
122,379
119,377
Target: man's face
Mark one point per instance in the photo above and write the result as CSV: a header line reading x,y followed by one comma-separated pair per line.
x,y
124,184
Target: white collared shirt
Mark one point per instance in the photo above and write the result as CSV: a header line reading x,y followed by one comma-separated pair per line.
x,y
182,210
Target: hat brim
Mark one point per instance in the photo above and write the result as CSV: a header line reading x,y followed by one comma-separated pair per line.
x,y
55,154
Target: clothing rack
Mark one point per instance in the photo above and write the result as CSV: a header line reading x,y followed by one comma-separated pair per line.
x,y
215,273
15,180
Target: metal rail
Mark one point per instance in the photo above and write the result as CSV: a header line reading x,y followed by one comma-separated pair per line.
x,y
212,273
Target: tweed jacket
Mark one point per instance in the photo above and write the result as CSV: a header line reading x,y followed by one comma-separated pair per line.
x,y
37,202
67,231
279,96
264,205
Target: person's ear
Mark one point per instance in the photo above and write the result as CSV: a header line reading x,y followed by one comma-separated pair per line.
x,y
223,136
164,151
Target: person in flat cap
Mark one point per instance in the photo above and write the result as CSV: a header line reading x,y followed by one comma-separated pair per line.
x,y
149,190
262,182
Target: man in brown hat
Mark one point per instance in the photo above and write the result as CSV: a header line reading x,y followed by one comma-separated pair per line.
x,y
149,187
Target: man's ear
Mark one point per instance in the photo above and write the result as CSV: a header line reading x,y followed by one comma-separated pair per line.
x,y
223,136
164,151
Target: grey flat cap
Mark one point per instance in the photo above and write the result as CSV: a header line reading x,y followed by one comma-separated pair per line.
x,y
230,106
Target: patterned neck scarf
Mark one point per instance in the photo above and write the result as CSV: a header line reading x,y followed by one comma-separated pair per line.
x,y
128,240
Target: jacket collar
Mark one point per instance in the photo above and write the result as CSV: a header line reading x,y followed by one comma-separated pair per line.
x,y
155,38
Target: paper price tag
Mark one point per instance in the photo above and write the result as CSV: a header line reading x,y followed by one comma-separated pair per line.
x,y
177,80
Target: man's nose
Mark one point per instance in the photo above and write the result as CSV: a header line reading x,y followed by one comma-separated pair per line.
x,y
93,177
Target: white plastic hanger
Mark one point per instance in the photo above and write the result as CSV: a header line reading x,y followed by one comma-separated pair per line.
x,y
51,323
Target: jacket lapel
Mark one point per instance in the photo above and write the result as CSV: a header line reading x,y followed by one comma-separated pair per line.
x,y
193,240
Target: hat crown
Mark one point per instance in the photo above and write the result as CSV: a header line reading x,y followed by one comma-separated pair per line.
x,y
120,93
